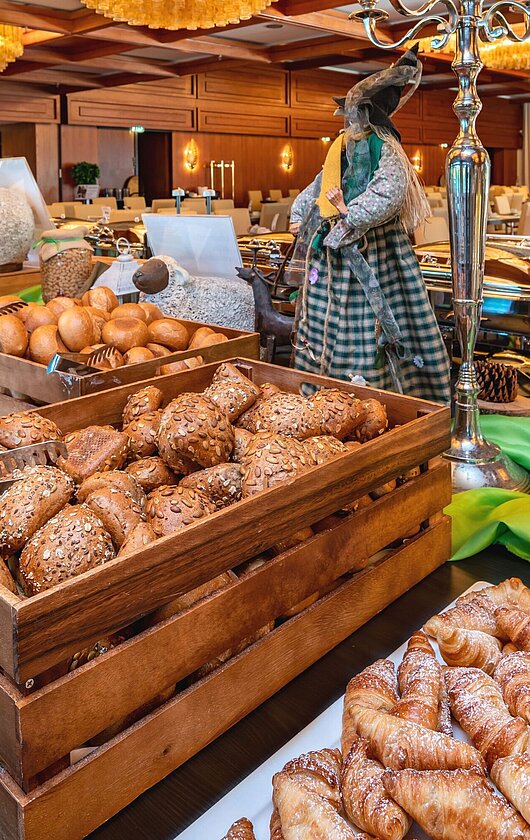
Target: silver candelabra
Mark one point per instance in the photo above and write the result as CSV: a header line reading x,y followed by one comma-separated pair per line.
x,y
476,461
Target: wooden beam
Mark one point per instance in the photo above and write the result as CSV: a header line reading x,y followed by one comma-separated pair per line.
x,y
319,61
303,7
335,23
34,17
312,48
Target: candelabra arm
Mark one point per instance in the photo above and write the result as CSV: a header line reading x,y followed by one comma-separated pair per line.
x,y
370,24
496,25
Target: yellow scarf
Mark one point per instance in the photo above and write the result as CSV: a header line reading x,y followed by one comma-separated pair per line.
x,y
331,177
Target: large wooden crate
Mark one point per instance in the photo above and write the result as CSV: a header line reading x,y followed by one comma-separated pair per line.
x,y
39,726
29,379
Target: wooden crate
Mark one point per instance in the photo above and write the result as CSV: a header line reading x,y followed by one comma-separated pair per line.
x,y
38,727
29,379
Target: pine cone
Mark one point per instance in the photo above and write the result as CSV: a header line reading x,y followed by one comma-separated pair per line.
x,y
497,382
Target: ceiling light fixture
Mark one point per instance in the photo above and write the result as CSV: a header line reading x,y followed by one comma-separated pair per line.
x,y
187,14
11,46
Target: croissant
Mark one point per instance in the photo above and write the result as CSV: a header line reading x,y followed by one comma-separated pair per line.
x,y
516,624
493,731
445,724
471,613
513,675
510,593
455,805
373,688
420,682
366,802
240,830
400,743
302,814
512,776
469,648
476,682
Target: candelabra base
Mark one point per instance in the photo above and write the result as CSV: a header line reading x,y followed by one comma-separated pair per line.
x,y
500,472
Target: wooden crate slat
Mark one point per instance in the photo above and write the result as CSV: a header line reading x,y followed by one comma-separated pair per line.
x,y
10,741
53,624
78,800
11,820
65,714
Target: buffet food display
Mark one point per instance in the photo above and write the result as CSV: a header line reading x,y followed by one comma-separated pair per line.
x,y
108,571
425,748
144,342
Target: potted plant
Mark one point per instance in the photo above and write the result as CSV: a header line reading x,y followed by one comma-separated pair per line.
x,y
86,176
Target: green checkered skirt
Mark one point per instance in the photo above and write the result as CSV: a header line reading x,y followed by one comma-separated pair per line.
x,y
351,333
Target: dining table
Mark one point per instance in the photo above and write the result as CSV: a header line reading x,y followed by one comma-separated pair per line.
x,y
164,811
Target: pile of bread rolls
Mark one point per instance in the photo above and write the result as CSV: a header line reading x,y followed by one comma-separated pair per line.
x,y
139,332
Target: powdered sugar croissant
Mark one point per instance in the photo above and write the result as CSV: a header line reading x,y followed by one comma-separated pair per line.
x,y
240,830
476,612
513,675
455,805
420,682
373,688
510,593
516,624
366,802
512,776
469,648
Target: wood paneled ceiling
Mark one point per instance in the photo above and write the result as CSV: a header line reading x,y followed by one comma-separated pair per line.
x,y
70,48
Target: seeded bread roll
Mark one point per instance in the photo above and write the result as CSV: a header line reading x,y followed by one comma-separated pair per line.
x,y
194,433
6,578
151,473
68,545
94,449
232,391
140,536
142,434
374,421
189,599
169,509
117,479
28,504
289,415
145,400
247,419
117,510
339,412
242,440
271,460
102,646
24,428
324,448
221,484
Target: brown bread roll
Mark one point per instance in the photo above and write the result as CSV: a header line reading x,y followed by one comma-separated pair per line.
x,y
242,441
117,510
24,313
28,504
169,509
216,338
23,428
39,316
9,299
129,310
98,648
143,401
169,332
158,351
136,355
124,333
185,364
68,545
194,432
142,434
140,536
324,448
6,578
101,297
153,313
58,305
116,479
339,412
198,336
289,415
271,460
151,473
246,420
221,484
373,423
44,343
94,449
232,391
13,336
77,329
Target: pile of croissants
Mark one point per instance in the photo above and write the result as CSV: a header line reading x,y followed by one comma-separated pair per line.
x,y
398,761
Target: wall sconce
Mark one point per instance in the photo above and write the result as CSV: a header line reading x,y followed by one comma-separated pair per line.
x,y
191,156
444,145
287,158
326,139
137,129
416,161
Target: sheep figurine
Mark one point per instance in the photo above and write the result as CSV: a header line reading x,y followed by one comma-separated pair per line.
x,y
223,301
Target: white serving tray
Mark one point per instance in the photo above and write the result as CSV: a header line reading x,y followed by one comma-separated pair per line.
x,y
251,798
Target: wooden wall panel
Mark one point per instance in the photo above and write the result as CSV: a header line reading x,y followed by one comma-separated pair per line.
x,y
20,105
115,156
259,88
47,155
229,118
315,90
18,140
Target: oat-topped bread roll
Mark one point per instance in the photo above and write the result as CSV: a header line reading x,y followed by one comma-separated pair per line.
x,y
222,484
117,510
151,473
247,419
94,449
25,428
142,434
194,433
272,459
242,440
68,545
232,391
373,421
324,448
170,509
289,415
6,579
28,504
340,413
147,399
118,479
140,536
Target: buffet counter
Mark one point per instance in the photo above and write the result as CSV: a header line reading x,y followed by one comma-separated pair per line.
x,y
170,807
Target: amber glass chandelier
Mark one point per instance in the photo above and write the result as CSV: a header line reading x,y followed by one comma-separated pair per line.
x,y
11,46
500,55
178,14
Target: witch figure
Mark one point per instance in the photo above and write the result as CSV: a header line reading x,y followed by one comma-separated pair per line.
x,y
363,310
